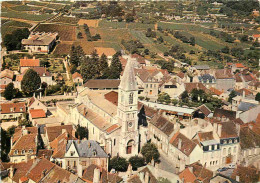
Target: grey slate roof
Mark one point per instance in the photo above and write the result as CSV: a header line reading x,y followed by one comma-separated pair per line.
x,y
207,77
244,106
86,150
128,82
202,67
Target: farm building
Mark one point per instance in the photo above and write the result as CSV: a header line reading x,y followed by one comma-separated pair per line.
x,y
40,42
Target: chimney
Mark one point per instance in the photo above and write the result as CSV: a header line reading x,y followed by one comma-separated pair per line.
x,y
85,111
179,144
219,129
237,178
244,94
11,172
191,169
96,176
146,178
24,131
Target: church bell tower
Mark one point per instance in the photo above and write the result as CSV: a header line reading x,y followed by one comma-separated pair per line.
x,y
127,112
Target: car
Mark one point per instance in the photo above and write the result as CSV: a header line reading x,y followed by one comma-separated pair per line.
x,y
231,166
222,169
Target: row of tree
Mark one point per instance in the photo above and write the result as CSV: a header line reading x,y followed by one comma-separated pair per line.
x,y
13,41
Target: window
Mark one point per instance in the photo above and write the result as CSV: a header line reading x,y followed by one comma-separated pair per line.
x,y
114,142
72,153
235,149
230,141
11,109
151,85
93,130
23,151
21,109
229,150
131,98
16,152
224,151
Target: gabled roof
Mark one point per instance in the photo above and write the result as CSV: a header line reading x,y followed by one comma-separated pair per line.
x,y
147,75
54,131
106,51
102,83
199,86
11,107
58,145
245,106
239,65
201,172
204,109
7,73
37,113
215,91
249,138
87,148
76,75
181,75
246,174
187,175
205,136
231,115
162,124
24,62
223,74
229,130
186,146
41,71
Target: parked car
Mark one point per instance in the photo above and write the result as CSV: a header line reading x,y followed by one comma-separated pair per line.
x,y
231,166
222,169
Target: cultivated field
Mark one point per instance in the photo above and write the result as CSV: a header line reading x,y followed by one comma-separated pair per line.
x,y
90,23
62,49
66,20
66,32
25,8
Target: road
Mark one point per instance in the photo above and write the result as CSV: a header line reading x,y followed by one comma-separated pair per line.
x,y
165,164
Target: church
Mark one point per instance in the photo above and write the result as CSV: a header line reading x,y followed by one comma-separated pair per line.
x,y
111,116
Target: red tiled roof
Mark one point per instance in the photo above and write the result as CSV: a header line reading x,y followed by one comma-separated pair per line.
x,y
181,75
112,97
54,131
223,74
215,91
247,92
37,113
29,62
204,109
41,71
112,128
199,86
187,176
75,75
59,145
7,73
163,124
238,77
16,108
239,65
186,146
19,78
205,136
256,35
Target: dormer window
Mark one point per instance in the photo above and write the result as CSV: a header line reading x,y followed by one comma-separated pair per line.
x,y
230,141
16,152
30,151
11,109
72,153
21,109
224,141
23,151
94,153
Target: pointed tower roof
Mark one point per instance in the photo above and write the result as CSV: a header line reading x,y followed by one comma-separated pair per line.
x,y
128,82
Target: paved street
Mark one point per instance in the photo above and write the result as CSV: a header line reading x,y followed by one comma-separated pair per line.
x,y
165,164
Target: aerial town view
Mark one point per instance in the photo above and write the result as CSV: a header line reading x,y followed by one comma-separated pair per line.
x,y
130,91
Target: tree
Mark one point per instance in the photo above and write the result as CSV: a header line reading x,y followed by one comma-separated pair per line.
x,y
150,151
31,81
9,92
257,97
119,164
13,41
103,63
184,95
225,50
136,162
77,55
115,67
24,122
192,41
164,97
80,36
89,70
146,51
231,95
81,132
129,17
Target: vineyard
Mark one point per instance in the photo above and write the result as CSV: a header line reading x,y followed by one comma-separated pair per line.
x,y
65,32
62,49
66,20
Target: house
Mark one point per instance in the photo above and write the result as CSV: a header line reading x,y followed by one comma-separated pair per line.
x,y
210,145
94,173
46,76
196,173
224,79
40,42
208,80
171,86
202,68
246,174
102,84
199,86
12,111
80,154
34,103
239,81
256,38
222,178
148,82
24,145
6,77
26,63
182,77
218,94
77,79
254,86
183,151
249,143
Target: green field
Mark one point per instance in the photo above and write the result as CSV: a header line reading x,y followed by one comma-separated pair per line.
x,y
139,35
25,16
138,25
187,27
25,8
113,25
9,26
37,3
55,6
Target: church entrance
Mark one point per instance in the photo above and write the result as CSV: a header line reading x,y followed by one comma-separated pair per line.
x,y
129,146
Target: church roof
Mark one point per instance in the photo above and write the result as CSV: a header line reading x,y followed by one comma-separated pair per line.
x,y
128,81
